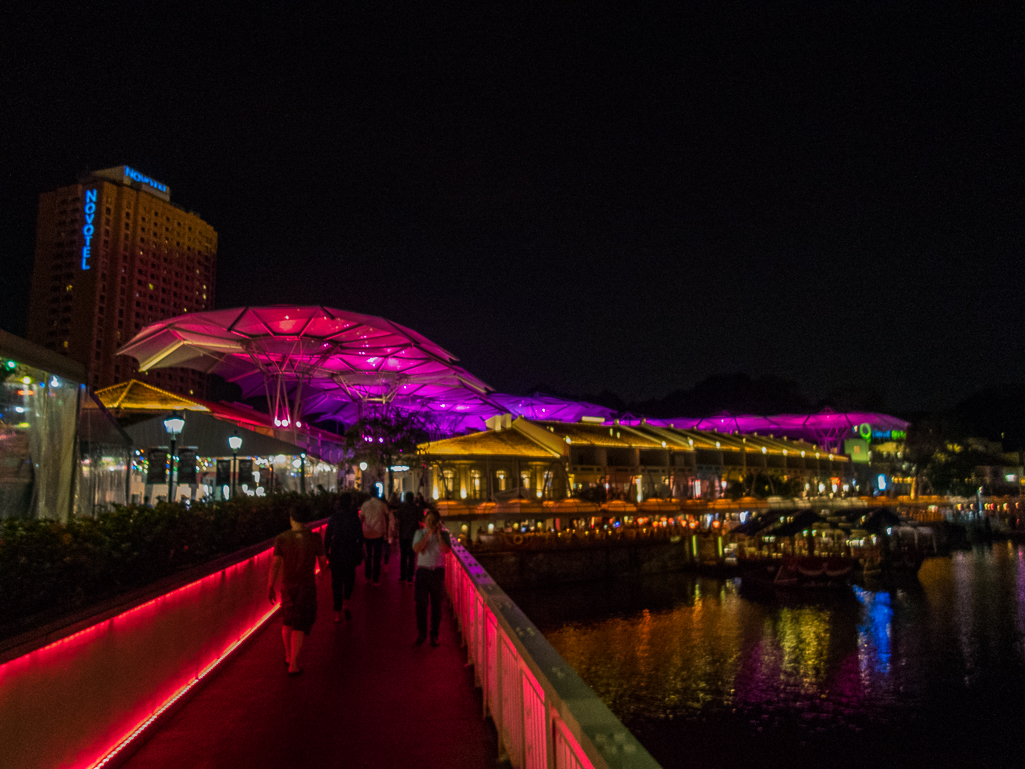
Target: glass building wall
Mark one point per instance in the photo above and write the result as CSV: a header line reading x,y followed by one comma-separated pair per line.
x,y
38,413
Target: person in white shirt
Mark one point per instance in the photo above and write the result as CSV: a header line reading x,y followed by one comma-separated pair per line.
x,y
430,544
374,514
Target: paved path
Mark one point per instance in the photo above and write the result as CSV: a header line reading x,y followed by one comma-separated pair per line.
x,y
367,697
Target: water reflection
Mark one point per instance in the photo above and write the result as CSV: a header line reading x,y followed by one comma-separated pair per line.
x,y
930,673
874,635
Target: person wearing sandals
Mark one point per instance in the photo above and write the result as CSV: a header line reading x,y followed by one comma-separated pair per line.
x,y
296,553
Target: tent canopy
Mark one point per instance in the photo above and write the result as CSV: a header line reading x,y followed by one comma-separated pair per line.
x,y
209,436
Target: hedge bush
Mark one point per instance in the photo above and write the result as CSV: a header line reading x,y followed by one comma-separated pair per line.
x,y
46,564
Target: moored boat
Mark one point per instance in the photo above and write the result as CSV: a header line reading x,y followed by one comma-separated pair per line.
x,y
799,572
804,550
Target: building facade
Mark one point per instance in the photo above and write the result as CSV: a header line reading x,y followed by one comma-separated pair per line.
x,y
113,254
552,460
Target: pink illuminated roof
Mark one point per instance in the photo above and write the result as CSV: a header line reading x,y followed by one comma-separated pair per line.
x,y
329,344
308,354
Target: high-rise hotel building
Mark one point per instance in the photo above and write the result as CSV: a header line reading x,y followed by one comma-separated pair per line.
x,y
113,254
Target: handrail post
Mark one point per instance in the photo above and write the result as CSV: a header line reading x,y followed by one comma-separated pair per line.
x,y
516,662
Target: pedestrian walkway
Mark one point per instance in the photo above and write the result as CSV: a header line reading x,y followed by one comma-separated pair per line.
x,y
367,697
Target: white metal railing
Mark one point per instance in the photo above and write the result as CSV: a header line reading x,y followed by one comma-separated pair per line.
x,y
545,715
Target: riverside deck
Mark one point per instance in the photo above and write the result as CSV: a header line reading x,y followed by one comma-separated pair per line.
x,y
367,697
189,671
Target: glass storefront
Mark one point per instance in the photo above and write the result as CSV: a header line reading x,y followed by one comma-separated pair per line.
x,y
105,452
39,405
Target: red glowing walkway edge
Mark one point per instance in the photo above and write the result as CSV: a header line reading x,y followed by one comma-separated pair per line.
x,y
132,735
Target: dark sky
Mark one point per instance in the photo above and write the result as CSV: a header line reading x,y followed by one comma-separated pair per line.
x,y
583,195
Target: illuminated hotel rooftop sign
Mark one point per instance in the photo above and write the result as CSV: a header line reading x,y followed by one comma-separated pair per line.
x,y
129,176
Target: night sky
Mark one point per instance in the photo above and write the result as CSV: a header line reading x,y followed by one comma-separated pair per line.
x,y
586,197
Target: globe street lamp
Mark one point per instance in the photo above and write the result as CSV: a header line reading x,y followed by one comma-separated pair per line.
x,y
174,424
235,442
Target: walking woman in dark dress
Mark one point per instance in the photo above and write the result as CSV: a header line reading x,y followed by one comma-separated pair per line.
x,y
344,547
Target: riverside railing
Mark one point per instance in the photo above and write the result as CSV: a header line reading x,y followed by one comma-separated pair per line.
x,y
82,692
545,715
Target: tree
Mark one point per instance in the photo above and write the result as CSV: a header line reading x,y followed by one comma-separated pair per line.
x,y
382,440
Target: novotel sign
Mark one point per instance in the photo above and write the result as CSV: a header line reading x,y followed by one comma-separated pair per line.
x,y
128,175
134,175
88,229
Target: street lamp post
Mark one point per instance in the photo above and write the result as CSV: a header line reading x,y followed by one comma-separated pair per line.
x,y
174,424
235,442
302,472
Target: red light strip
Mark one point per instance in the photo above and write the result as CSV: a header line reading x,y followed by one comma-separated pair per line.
x,y
141,727
132,735
100,626
179,694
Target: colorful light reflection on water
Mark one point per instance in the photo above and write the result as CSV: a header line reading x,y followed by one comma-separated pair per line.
x,y
931,673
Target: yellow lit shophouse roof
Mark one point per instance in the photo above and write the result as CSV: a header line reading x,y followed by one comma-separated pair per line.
x,y
544,439
510,442
610,436
139,396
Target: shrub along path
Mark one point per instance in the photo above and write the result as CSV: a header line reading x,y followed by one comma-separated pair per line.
x,y
50,569
367,697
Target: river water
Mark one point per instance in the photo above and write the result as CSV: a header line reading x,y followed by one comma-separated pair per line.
x,y
930,673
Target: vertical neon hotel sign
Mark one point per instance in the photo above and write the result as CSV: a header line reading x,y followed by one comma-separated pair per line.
x,y
88,229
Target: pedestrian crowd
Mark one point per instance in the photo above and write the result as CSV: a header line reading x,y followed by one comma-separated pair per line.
x,y
361,530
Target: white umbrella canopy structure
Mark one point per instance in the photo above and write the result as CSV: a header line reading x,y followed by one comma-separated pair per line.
x,y
308,356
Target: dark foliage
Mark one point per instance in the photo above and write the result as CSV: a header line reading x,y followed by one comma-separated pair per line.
x,y
735,393
46,564
996,414
382,439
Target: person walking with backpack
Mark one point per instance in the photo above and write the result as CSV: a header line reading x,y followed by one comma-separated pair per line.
x,y
408,517
374,514
344,546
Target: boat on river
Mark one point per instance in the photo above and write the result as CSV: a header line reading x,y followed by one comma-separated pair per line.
x,y
809,549
807,572
887,546
794,550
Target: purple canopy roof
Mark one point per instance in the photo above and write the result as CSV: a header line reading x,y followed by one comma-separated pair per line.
x,y
334,364
827,428
465,410
311,354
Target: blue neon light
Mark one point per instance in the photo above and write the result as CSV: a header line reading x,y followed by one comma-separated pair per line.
x,y
88,229
133,174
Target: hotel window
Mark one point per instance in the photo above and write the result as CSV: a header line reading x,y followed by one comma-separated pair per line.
x,y
502,479
525,479
449,477
475,483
